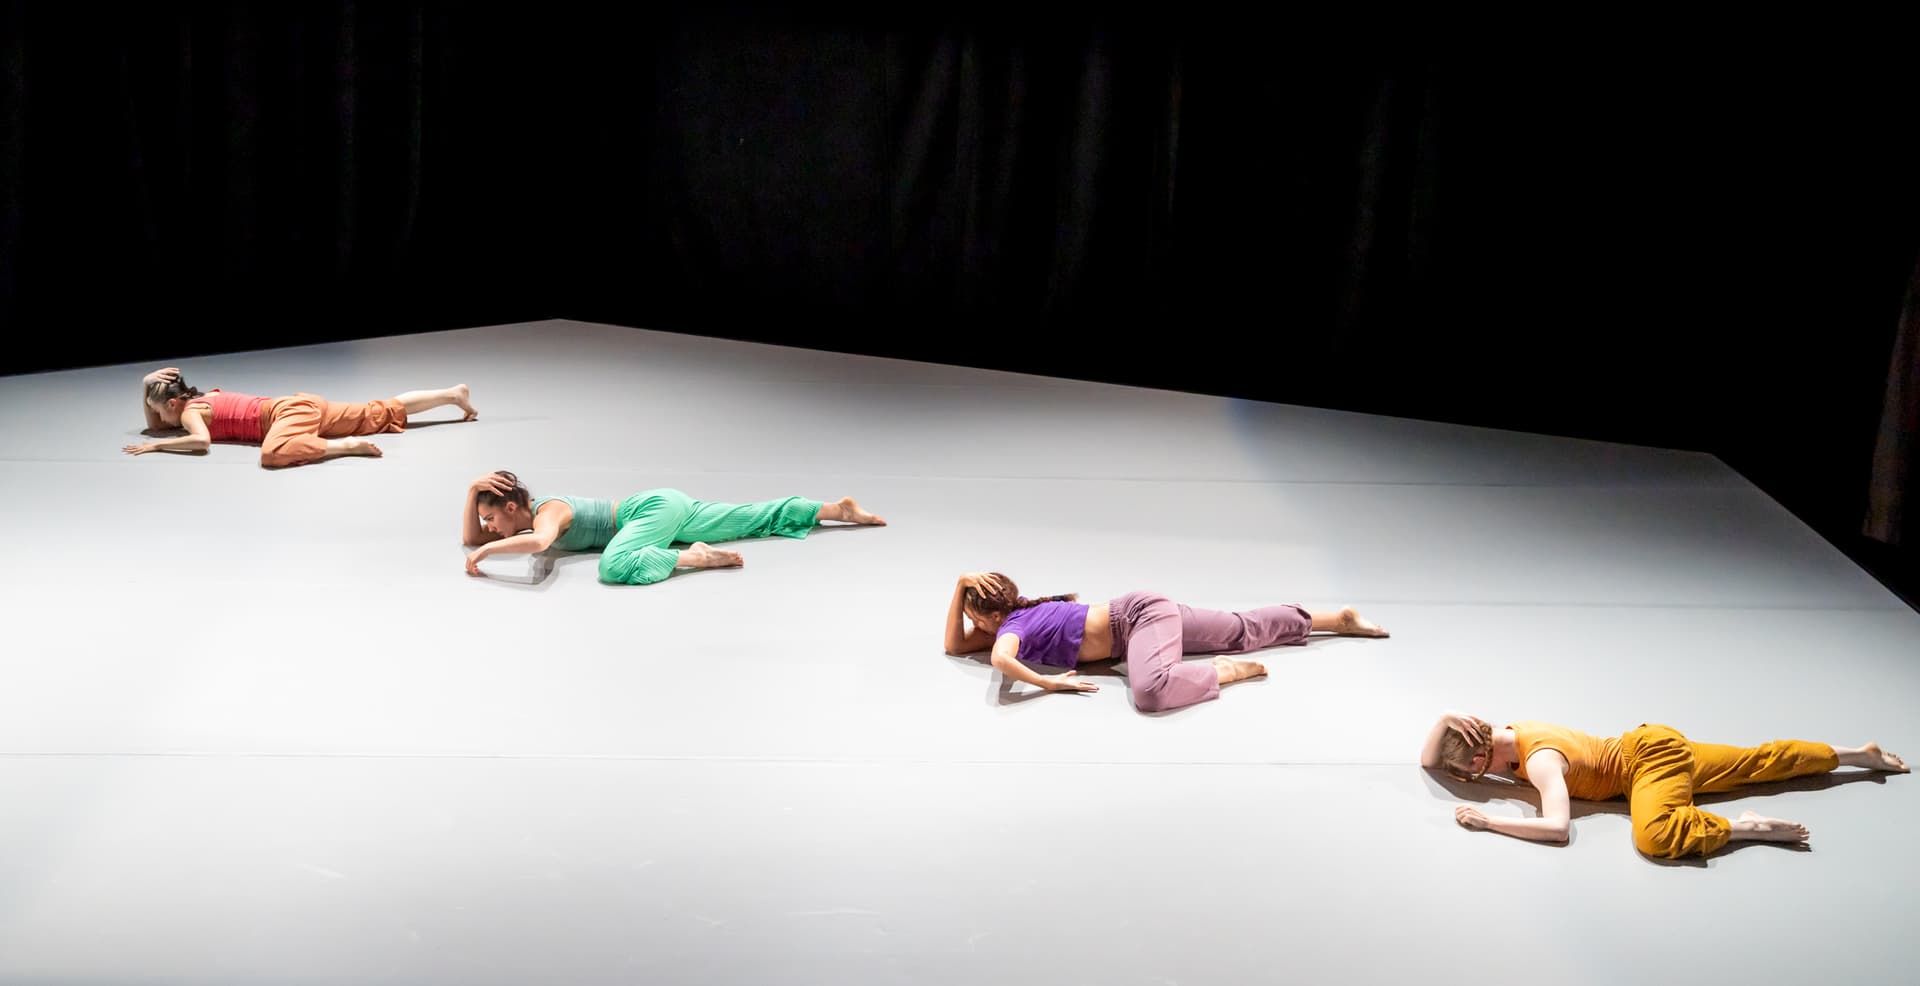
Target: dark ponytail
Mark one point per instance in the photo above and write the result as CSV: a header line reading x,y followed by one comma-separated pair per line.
x,y
518,494
1007,599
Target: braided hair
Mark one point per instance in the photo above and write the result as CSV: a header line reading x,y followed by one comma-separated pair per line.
x,y
1007,599
1456,754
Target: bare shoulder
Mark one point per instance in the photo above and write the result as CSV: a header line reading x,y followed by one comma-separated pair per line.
x,y
552,519
196,419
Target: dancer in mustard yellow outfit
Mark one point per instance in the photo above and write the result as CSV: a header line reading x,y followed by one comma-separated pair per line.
x,y
1654,767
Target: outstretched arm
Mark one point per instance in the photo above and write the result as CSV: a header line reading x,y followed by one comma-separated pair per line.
x,y
197,439
546,530
961,639
1546,769
1467,726
519,544
1006,660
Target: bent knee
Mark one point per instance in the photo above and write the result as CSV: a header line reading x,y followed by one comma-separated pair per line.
x,y
1666,840
620,570
1150,697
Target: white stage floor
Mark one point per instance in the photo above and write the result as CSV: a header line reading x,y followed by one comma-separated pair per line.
x,y
260,727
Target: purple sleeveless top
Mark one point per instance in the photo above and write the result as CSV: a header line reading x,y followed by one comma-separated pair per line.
x,y
1049,633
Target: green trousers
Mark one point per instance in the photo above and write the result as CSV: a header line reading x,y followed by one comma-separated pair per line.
x,y
652,522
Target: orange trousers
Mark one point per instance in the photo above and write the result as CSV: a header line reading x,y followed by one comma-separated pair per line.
x,y
296,428
1664,770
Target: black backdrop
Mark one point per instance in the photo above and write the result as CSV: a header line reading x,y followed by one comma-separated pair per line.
x,y
1695,244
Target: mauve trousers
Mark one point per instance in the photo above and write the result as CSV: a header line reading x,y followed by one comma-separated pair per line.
x,y
1153,633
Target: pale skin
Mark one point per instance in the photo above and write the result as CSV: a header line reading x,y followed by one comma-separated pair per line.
x,y
1546,770
1096,644
182,414
506,527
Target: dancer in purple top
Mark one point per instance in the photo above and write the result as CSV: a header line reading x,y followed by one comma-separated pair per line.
x,y
1150,631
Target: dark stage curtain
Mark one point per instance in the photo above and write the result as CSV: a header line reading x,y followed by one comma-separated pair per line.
x,y
1896,459
1123,198
1696,247
184,178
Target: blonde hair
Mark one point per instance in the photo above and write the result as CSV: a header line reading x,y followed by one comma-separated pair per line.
x,y
1456,754
162,391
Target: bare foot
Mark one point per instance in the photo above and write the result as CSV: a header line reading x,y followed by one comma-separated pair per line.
x,y
1757,827
703,555
1352,625
1234,668
1873,758
463,399
359,446
850,512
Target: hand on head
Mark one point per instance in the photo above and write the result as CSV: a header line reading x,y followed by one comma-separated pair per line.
x,y
1468,726
497,482
988,584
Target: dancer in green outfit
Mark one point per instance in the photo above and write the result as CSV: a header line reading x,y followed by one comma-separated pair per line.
x,y
636,536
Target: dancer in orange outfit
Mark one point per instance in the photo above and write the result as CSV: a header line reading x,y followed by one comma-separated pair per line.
x,y
290,431
1654,767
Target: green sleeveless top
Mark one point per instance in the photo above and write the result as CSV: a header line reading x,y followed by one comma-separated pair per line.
x,y
593,524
